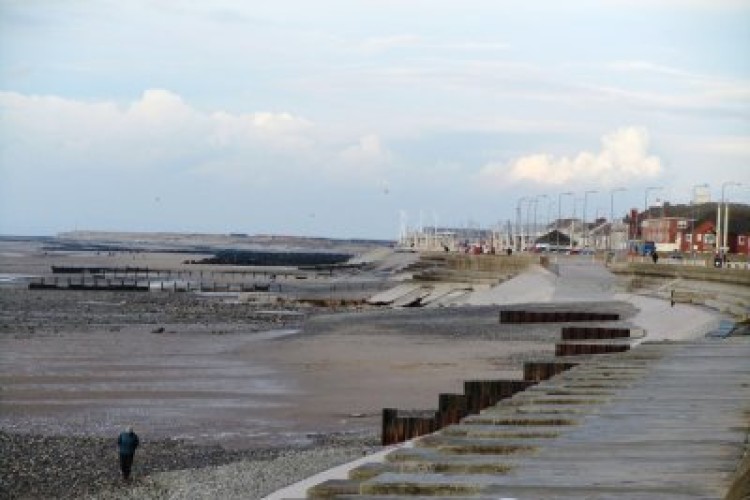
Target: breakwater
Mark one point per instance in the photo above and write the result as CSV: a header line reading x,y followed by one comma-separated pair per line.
x,y
272,259
663,420
399,425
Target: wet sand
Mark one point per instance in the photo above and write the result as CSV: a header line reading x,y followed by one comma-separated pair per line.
x,y
248,377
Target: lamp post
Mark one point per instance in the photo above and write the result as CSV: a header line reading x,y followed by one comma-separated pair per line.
x,y
692,222
725,225
612,213
559,216
585,225
536,204
529,201
519,222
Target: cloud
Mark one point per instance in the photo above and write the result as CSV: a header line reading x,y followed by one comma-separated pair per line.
x,y
382,43
366,160
635,66
738,147
386,43
623,157
156,131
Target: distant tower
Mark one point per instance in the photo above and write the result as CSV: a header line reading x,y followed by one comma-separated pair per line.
x,y
701,194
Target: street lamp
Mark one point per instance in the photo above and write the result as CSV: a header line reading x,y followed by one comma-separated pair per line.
x,y
585,225
559,216
612,213
529,201
692,222
536,204
725,225
519,221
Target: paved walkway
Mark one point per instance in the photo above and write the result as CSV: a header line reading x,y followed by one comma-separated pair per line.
x,y
666,420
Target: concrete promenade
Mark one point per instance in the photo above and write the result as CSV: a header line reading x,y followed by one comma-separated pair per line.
x,y
668,419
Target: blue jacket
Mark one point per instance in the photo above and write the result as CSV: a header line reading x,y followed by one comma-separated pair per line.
x,y
127,442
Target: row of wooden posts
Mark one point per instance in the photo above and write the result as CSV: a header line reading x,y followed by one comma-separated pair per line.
x,y
399,425
132,284
168,273
84,282
523,316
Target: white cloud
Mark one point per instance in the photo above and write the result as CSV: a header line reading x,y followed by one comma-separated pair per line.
x,y
159,130
738,147
377,44
650,67
623,157
366,160
385,43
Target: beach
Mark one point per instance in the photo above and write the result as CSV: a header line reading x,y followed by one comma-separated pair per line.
x,y
242,398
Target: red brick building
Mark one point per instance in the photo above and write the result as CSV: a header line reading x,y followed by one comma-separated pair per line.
x,y
663,231
704,235
688,228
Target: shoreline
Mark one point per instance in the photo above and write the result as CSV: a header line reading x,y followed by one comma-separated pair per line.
x,y
214,368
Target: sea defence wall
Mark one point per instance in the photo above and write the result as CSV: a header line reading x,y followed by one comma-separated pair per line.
x,y
493,268
726,290
399,426
662,420
440,279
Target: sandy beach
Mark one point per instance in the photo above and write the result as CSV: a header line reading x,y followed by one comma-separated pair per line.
x,y
211,383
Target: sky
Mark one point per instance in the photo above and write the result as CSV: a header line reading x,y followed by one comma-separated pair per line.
x,y
349,118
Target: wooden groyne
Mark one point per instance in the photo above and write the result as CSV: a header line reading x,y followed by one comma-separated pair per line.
x,y
194,274
121,285
664,420
402,425
591,333
541,316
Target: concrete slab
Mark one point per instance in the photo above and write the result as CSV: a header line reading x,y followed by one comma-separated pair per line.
x,y
677,430
666,420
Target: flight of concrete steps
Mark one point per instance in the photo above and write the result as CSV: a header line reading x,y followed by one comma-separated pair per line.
x,y
664,420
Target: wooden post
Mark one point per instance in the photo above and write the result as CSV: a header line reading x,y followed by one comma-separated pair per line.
x,y
451,409
542,370
389,432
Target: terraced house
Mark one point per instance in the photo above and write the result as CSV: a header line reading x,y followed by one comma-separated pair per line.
x,y
687,228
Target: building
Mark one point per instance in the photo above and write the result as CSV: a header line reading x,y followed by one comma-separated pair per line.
x,y
692,228
666,232
608,236
701,238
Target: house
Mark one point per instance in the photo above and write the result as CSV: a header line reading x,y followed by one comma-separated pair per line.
x,y
701,238
553,240
665,232
607,236
692,228
738,236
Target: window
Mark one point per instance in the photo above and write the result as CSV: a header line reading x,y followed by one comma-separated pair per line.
x,y
741,240
689,237
700,237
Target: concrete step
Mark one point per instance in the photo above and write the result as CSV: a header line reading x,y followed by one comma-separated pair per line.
x,y
672,425
502,431
435,486
477,446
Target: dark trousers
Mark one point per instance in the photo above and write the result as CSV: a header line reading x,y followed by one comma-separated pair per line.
x,y
126,462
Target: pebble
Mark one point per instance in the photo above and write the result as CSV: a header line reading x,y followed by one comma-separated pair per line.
x,y
38,466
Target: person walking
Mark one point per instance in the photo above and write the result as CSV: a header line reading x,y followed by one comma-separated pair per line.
x,y
127,442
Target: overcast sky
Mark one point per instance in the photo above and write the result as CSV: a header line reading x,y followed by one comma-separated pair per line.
x,y
333,117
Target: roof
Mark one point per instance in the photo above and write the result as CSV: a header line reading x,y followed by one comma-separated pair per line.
x,y
552,238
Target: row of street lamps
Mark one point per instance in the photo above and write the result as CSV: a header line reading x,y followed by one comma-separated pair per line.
x,y
535,200
721,222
